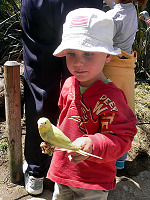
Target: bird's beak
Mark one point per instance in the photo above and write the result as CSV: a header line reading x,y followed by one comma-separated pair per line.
x,y
39,126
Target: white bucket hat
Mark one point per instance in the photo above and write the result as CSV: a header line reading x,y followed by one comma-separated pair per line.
x,y
87,29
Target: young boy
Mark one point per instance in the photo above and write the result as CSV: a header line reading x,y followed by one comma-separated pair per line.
x,y
94,112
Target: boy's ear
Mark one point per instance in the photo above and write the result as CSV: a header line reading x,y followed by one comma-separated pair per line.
x,y
108,58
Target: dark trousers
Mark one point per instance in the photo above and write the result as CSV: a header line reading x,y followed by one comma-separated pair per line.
x,y
42,22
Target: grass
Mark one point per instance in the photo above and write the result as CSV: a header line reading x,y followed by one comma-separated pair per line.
x,y
142,102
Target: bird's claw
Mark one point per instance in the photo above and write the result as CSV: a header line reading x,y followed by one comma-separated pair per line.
x,y
47,148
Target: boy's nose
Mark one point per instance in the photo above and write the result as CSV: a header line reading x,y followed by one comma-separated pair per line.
x,y
78,62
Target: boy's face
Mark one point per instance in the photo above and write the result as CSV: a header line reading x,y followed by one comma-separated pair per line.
x,y
86,66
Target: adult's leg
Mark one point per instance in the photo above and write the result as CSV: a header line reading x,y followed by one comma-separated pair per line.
x,y
42,79
40,101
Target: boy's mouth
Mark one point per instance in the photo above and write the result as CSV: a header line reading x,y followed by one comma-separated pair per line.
x,y
80,72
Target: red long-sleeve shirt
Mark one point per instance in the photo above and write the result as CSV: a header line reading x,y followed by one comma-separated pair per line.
x,y
102,114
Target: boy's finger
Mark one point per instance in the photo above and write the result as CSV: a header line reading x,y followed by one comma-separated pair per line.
x,y
70,152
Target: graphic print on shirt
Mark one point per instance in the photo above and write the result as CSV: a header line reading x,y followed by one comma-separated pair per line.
x,y
100,108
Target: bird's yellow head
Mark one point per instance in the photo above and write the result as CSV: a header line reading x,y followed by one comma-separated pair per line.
x,y
44,124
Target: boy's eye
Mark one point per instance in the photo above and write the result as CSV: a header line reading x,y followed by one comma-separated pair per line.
x,y
88,53
71,53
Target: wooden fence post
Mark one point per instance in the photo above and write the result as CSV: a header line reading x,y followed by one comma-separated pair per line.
x,y
13,119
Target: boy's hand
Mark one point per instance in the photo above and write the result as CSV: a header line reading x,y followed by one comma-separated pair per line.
x,y
86,145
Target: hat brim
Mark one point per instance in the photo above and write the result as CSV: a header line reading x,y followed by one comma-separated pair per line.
x,y
86,44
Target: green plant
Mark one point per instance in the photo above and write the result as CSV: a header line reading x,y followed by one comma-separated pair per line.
x,y
142,47
9,7
10,30
4,147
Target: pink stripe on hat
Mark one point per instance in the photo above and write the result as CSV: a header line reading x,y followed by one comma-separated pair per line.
x,y
79,21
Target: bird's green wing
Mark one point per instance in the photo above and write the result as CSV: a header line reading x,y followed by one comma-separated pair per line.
x,y
61,140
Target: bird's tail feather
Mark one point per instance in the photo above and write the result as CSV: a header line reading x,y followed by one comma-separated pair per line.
x,y
87,154
80,152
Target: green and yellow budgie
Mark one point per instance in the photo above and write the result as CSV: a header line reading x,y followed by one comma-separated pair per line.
x,y
55,137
